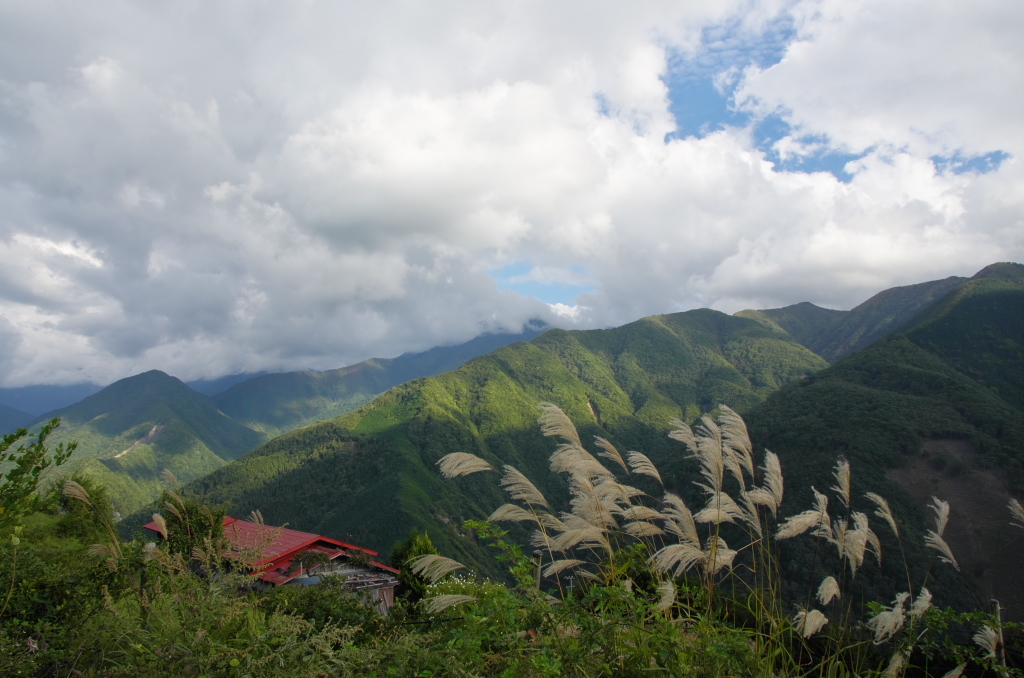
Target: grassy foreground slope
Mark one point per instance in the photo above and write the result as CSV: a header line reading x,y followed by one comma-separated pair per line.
x,y
135,428
278,403
370,475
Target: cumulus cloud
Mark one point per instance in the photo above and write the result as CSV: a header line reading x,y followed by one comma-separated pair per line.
x,y
224,188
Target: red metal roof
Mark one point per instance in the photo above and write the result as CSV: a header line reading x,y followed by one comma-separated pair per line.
x,y
280,545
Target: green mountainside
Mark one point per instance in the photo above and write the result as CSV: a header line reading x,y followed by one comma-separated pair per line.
x,y
948,375
933,410
879,316
135,428
278,403
370,475
978,329
835,334
805,322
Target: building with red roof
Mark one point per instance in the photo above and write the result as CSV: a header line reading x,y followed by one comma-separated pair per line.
x,y
279,547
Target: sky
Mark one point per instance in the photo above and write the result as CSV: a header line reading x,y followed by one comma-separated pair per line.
x,y
219,187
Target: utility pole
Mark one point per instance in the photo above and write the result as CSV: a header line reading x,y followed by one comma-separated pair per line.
x,y
1000,653
538,558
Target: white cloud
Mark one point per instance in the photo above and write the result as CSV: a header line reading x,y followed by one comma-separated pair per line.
x,y
219,188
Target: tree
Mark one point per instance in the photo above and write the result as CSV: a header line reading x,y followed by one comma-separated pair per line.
x,y
410,586
29,463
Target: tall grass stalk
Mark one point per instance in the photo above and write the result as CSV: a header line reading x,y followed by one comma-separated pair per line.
x,y
608,517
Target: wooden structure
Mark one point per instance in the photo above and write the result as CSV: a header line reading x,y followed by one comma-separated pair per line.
x,y
279,547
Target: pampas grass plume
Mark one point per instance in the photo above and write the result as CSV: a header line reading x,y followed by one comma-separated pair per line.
x,y
433,567
554,422
439,604
1017,511
809,623
828,590
462,464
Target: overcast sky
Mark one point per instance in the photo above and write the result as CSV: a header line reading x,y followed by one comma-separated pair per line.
x,y
210,188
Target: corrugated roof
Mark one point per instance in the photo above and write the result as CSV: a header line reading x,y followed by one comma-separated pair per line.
x,y
280,545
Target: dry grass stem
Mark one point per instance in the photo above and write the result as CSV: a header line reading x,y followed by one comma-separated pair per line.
x,y
107,553
590,538
856,541
769,494
736,439
709,454
721,508
462,464
798,524
572,459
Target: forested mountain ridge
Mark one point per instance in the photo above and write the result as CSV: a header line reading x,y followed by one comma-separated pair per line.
x,y
370,475
129,432
933,410
11,418
278,403
133,429
836,334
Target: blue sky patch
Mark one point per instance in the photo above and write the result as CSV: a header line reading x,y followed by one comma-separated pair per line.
x,y
702,90
516,277
960,164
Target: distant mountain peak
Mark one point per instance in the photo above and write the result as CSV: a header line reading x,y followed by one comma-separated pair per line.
x,y
1008,271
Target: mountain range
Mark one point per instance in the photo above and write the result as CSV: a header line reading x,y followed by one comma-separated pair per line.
x,y
918,387
132,430
944,370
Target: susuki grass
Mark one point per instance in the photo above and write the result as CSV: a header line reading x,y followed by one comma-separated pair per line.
x,y
716,562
